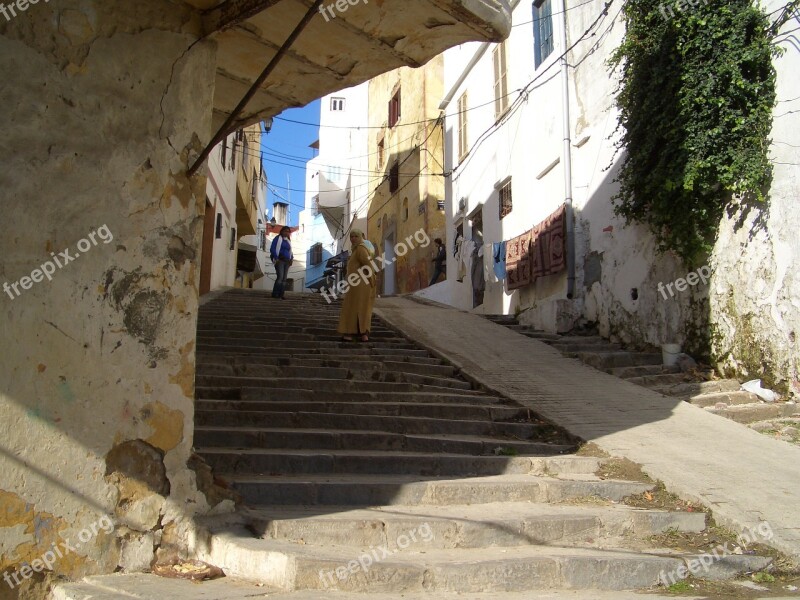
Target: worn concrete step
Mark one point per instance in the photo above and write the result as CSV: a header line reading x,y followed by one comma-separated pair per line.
x,y
541,336
286,394
570,347
339,385
307,439
695,388
243,364
750,413
292,341
320,360
421,568
641,371
382,490
608,360
271,331
360,374
729,398
294,420
660,380
266,461
468,526
143,586
339,349
395,409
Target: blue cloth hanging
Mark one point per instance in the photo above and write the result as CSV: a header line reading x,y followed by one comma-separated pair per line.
x,y
499,262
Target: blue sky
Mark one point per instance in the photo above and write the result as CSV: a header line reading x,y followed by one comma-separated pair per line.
x,y
285,151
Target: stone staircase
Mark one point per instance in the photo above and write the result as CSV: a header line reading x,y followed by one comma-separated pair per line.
x,y
372,469
722,397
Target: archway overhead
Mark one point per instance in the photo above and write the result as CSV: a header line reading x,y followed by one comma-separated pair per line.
x,y
347,42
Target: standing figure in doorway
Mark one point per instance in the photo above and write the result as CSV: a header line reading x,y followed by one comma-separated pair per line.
x,y
356,316
439,261
280,252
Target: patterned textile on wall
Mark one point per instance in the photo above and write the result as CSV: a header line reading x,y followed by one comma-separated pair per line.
x,y
548,245
518,261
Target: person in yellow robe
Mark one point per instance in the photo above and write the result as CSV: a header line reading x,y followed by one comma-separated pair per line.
x,y
356,315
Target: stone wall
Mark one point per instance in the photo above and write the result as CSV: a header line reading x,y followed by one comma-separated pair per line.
x,y
104,106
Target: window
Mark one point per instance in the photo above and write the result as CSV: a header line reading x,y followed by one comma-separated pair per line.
x,y
405,209
394,178
500,81
505,199
462,126
233,238
394,109
218,227
234,145
315,254
381,153
224,153
315,205
542,30
337,104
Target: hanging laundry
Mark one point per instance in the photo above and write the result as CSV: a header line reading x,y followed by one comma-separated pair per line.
x,y
518,261
548,245
499,260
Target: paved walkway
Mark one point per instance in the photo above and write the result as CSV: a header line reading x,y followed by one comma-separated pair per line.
x,y
744,477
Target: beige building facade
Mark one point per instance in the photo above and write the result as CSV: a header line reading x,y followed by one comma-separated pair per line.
x,y
407,164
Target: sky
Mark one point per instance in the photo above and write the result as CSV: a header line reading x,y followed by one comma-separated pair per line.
x,y
290,141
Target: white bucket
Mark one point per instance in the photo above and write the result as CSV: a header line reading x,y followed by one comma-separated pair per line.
x,y
670,354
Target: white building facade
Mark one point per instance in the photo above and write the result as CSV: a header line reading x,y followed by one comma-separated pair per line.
x,y
528,134
337,181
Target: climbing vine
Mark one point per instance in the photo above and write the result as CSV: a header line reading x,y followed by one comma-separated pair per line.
x,y
695,97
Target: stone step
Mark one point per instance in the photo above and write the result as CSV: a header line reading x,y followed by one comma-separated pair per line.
x,y
291,341
695,388
330,373
541,336
750,413
729,398
322,439
321,360
569,347
403,425
642,371
143,586
349,364
467,526
430,570
314,347
431,410
271,331
382,490
608,360
339,385
284,394
263,461
660,380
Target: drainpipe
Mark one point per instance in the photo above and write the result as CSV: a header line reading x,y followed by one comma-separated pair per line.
x,y
566,157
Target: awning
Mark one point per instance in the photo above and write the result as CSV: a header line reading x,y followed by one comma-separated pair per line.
x,y
363,39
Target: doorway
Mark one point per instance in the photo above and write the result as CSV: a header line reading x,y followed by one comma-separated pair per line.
x,y
389,270
207,249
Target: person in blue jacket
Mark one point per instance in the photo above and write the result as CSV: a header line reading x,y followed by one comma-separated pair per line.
x,y
280,252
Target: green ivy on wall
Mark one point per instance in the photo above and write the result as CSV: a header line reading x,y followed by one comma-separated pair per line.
x,y
695,97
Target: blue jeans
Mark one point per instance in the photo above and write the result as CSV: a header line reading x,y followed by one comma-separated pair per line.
x,y
282,271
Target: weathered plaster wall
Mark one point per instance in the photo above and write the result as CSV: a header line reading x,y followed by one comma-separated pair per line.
x,y
419,147
755,299
104,103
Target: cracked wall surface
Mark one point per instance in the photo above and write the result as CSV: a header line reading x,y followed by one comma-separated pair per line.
x,y
104,106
